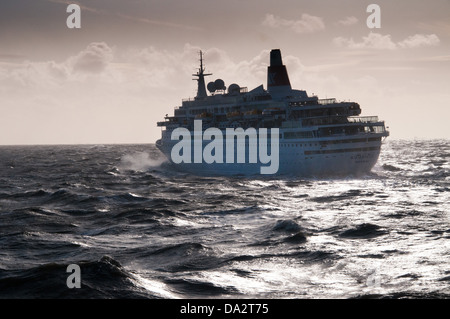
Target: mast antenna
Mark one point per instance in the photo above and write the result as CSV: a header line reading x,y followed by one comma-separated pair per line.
x,y
201,89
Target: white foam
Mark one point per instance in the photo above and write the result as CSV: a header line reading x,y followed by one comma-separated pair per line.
x,y
155,287
140,161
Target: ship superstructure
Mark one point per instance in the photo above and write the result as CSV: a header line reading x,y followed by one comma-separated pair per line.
x,y
314,136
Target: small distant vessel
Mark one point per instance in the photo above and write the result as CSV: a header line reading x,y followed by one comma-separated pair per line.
x,y
309,136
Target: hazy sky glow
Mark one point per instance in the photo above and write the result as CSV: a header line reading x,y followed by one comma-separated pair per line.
x,y
131,62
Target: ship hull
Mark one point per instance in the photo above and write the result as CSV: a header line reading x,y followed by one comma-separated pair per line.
x,y
308,158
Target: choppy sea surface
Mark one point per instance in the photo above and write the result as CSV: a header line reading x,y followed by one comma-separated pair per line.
x,y
139,229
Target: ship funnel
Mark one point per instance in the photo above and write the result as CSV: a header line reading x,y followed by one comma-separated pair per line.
x,y
277,77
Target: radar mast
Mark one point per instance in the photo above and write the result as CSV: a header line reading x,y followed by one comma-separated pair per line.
x,y
201,89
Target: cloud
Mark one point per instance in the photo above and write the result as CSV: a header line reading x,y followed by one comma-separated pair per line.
x,y
26,77
17,77
348,21
306,24
372,41
384,42
420,40
57,71
93,59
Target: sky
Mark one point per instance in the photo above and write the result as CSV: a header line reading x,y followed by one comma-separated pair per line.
x,y
131,62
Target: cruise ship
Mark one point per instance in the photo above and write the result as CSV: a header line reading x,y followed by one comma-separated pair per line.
x,y
275,131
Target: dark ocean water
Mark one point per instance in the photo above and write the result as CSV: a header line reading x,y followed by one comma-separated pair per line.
x,y
139,229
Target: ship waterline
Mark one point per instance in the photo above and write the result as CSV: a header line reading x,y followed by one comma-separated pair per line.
x,y
314,137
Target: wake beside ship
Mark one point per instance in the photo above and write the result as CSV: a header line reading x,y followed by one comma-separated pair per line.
x,y
309,136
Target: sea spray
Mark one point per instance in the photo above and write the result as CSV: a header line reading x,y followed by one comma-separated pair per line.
x,y
140,161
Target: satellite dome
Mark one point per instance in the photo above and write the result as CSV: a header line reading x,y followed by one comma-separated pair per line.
x,y
211,87
234,89
219,84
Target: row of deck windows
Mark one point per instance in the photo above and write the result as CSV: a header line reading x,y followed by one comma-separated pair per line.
x,y
296,144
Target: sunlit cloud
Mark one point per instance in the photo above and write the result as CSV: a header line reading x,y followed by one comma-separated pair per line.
x,y
372,41
420,40
384,42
